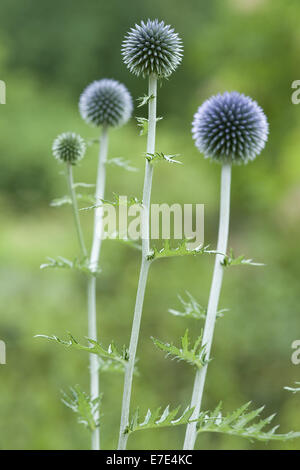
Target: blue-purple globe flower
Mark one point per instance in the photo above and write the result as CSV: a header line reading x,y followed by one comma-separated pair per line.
x,y
152,48
106,102
230,128
69,148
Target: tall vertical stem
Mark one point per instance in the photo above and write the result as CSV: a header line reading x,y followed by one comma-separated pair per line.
x,y
152,91
93,264
191,431
75,209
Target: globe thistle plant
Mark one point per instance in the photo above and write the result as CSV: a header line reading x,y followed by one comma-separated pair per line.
x,y
69,148
152,48
106,102
229,128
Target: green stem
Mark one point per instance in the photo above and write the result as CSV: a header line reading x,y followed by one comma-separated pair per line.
x,y
191,431
93,264
144,266
75,210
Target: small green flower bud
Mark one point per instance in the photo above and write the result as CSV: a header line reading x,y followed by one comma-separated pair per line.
x,y
69,148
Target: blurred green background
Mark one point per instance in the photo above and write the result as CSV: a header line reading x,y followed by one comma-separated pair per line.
x,y
49,51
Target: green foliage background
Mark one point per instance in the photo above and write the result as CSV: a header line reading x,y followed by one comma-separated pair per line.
x,y
49,51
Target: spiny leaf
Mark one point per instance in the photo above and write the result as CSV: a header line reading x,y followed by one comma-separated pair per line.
x,y
117,201
82,404
143,100
180,250
192,309
194,355
119,161
156,419
64,263
83,185
143,124
160,156
295,389
64,200
111,353
230,260
242,423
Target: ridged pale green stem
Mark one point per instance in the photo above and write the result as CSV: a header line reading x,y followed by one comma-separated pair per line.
x,y
144,266
191,431
75,209
93,265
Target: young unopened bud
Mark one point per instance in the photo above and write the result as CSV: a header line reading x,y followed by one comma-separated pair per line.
x,y
69,148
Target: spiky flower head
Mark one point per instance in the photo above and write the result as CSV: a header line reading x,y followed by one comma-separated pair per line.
x,y
106,102
230,128
152,48
69,147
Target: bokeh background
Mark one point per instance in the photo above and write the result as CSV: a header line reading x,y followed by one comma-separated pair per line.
x,y
49,51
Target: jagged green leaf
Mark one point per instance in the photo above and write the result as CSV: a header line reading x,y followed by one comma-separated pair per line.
x,y
143,124
156,419
110,354
192,354
230,260
66,200
60,262
180,250
242,423
160,156
82,404
121,162
143,100
117,201
192,309
293,389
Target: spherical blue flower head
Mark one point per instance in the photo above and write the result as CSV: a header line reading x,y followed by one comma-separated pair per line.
x,y
230,128
69,148
152,48
106,102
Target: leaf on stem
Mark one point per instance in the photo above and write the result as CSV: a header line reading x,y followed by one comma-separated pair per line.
x,y
156,419
143,124
293,389
66,200
192,354
82,404
180,250
241,423
110,354
117,201
160,156
143,100
192,309
60,262
121,162
230,260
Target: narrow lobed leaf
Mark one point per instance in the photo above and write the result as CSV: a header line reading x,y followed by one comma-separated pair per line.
x,y
82,404
192,309
194,355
